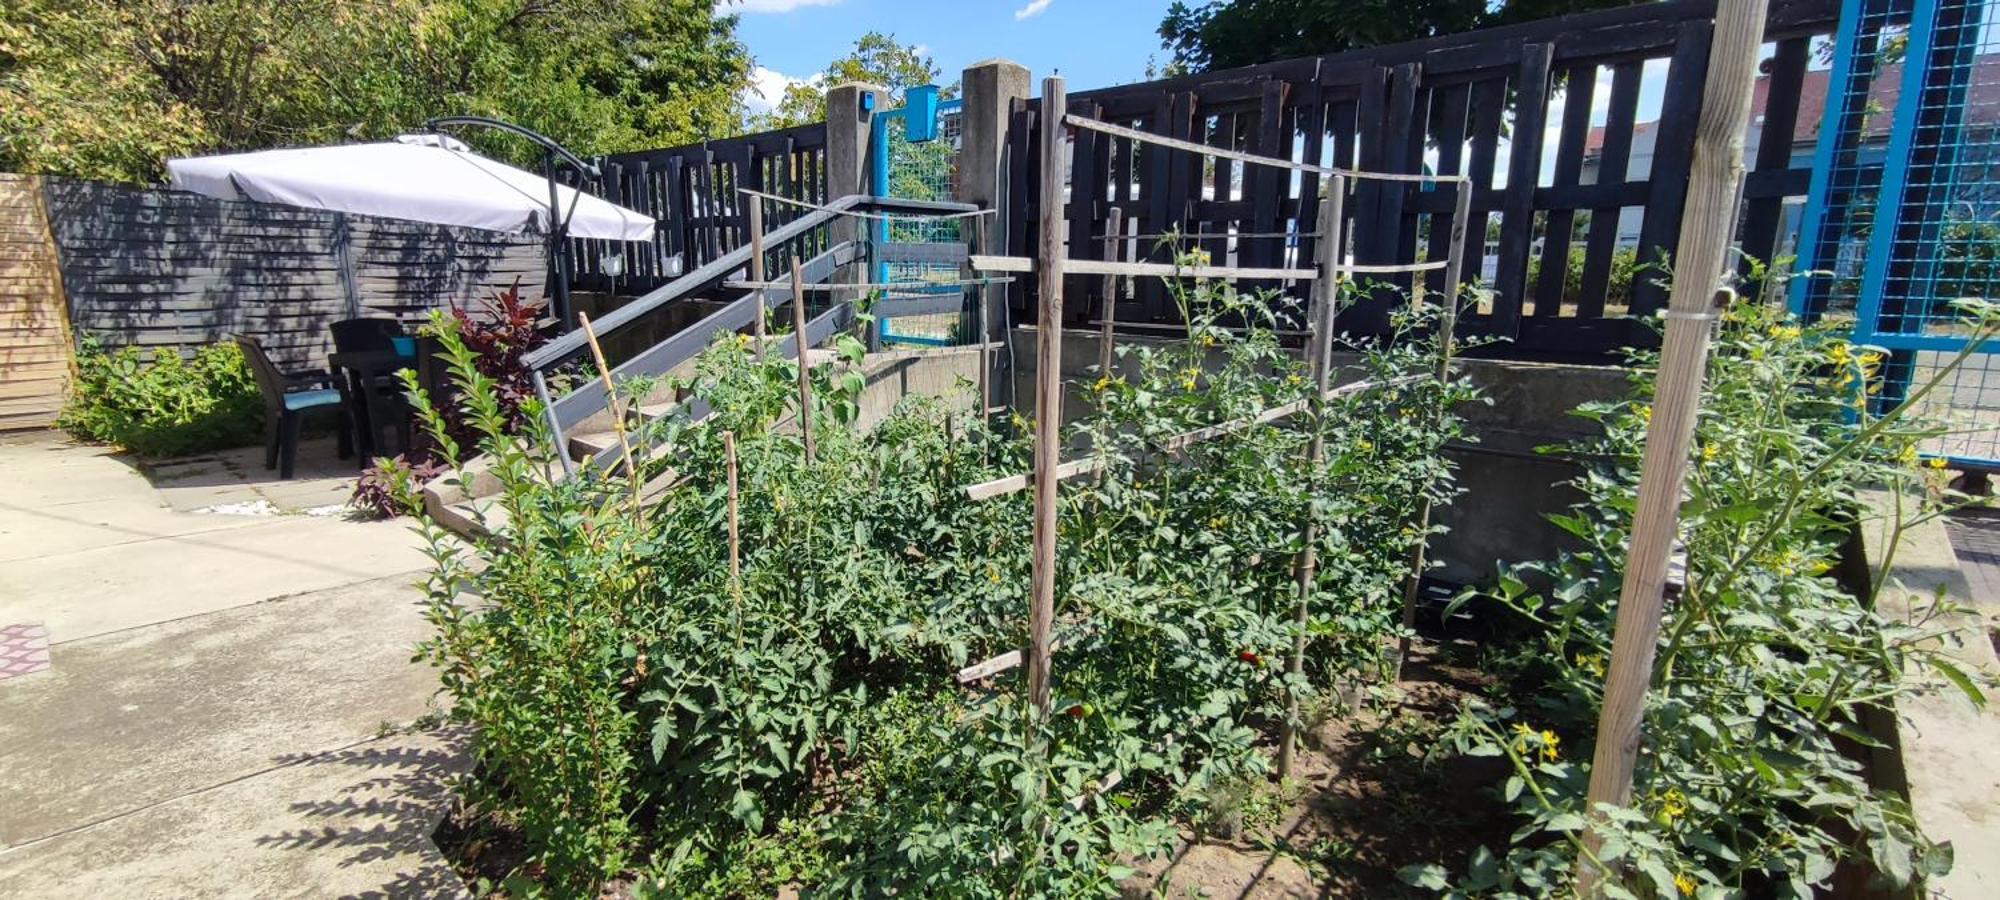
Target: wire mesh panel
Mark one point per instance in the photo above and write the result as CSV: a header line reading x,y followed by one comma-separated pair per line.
x,y
920,170
1905,212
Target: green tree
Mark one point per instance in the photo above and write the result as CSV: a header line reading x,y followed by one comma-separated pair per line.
x,y
876,59
111,89
1226,34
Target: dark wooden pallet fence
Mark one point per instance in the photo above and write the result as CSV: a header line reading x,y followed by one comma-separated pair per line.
x,y
175,269
693,193
1460,97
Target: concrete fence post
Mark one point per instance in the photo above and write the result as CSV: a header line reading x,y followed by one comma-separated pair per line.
x,y
850,117
990,87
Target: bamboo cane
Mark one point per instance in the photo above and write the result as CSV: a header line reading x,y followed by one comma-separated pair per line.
x,y
617,406
1319,350
757,272
1698,267
1114,232
805,365
735,533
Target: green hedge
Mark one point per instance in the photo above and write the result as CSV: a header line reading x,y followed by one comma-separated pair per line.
x,y
158,404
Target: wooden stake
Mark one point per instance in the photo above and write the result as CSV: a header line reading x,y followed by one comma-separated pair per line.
x,y
757,272
985,318
1048,394
617,406
1319,351
1447,342
1114,251
1713,178
805,364
735,535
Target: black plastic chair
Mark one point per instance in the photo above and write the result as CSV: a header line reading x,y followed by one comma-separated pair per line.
x,y
357,335
288,397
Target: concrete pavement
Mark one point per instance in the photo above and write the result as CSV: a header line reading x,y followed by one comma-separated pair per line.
x,y
230,707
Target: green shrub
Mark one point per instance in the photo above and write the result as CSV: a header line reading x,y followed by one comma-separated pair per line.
x,y
1769,666
1617,287
165,405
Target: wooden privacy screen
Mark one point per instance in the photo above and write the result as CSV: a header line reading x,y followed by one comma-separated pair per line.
x,y
169,268
692,193
1476,104
34,337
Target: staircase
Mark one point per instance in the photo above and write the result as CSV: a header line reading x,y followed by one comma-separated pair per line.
x,y
580,422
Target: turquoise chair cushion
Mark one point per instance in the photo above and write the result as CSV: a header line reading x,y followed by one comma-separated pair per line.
x,y
311,399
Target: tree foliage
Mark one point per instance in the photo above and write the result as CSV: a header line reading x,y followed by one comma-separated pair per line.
x,y
1226,34
876,59
111,89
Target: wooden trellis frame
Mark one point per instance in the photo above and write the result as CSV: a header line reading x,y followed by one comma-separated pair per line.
x,y
1051,264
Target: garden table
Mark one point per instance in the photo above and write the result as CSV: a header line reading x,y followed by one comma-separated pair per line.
x,y
361,373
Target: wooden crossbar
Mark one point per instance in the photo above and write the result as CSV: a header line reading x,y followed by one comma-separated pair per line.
x,y
835,287
986,263
1000,487
1240,156
863,214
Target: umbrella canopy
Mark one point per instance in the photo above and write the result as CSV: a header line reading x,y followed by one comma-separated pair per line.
x,y
426,178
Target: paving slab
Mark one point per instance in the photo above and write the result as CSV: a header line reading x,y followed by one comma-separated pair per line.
x,y
320,478
97,591
124,721
352,822
1950,748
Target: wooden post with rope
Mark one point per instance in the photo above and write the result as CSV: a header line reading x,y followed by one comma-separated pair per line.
x,y
1048,397
804,359
1319,350
1447,341
1716,172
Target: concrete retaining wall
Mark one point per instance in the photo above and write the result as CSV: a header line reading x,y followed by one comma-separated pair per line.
x,y
1509,488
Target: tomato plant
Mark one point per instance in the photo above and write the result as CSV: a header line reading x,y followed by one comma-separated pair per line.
x,y
640,710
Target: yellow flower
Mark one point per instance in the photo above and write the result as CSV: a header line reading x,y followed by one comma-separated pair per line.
x,y
1936,462
1363,446
1646,414
1592,663
1785,332
1673,804
993,574
1909,455
1208,340
1685,884
1101,384
1708,453
1549,744
1839,353
1218,522
1295,380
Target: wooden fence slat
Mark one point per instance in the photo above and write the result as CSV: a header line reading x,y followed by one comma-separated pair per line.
x,y
1673,152
1524,166
1579,87
1614,162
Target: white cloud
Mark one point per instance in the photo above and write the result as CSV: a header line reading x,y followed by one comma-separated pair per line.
x,y
768,6
767,88
1033,9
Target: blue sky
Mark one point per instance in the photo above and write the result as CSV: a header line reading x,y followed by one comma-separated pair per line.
x,y
1094,43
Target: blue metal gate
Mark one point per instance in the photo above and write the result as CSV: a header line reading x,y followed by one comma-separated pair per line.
x,y
1904,209
914,156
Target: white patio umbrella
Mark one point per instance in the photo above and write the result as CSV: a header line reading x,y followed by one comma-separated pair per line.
x,y
422,177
